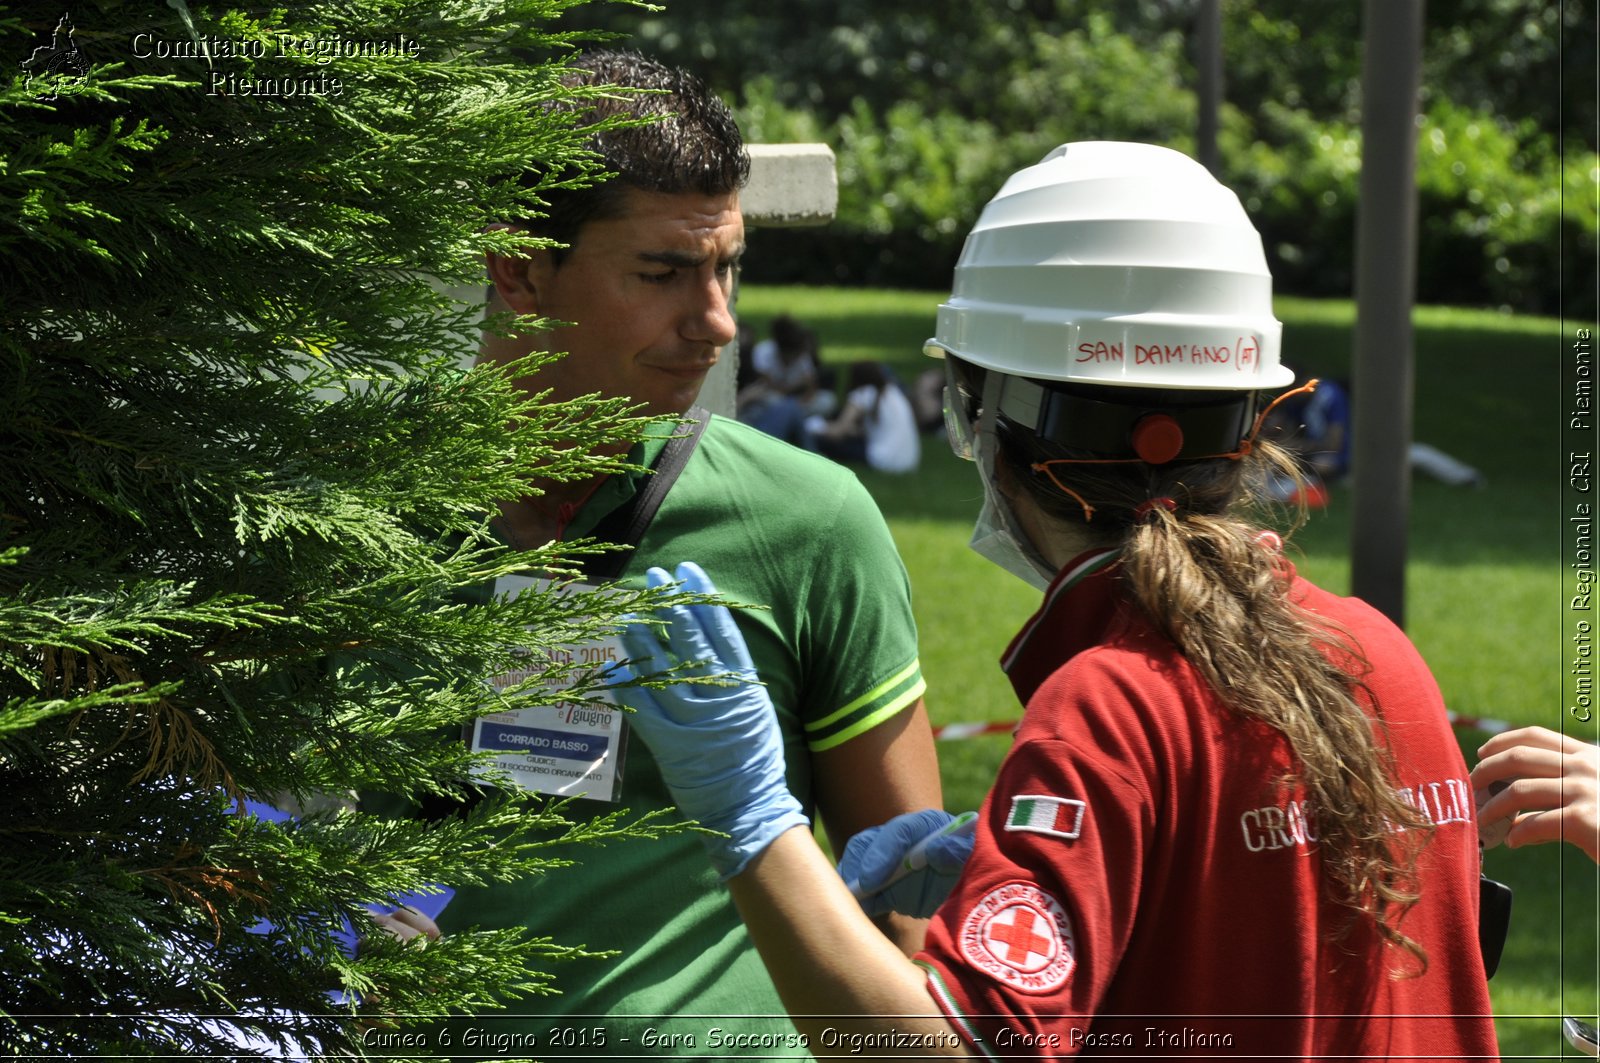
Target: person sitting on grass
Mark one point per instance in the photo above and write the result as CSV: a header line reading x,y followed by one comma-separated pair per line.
x,y
876,424
782,382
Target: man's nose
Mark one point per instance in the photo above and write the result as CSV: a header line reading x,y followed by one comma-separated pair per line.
x,y
710,319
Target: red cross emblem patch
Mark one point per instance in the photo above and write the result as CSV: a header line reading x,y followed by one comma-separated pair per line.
x,y
1020,935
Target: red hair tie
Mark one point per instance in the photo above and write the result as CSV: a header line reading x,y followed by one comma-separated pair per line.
x,y
1143,510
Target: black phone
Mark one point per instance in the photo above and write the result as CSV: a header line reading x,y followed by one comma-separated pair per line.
x,y
1582,1036
1494,921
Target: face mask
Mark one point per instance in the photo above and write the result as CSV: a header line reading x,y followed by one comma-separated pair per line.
x,y
997,537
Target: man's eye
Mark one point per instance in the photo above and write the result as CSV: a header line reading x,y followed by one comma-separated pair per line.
x,y
658,278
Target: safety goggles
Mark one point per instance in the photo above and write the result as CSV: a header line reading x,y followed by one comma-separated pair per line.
x,y
1194,434
1222,429
958,414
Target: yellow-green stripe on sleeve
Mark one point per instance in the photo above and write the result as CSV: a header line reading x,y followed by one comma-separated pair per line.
x,y
869,710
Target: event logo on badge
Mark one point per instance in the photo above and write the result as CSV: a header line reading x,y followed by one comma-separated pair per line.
x,y
1020,935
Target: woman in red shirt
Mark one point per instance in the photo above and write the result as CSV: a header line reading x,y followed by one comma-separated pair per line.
x,y
1234,820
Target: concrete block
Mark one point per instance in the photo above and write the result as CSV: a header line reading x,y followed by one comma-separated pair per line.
x,y
790,185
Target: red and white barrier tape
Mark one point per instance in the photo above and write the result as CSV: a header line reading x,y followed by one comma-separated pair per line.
x,y
1479,723
970,730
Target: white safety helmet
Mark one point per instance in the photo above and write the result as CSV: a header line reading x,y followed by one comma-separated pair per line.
x,y
1116,265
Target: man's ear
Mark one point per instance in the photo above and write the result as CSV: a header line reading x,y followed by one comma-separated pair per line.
x,y
517,280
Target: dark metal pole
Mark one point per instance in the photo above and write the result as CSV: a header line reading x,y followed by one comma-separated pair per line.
x,y
1208,94
1386,267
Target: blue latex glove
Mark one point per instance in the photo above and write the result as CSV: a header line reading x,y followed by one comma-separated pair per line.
x,y
428,905
875,855
718,746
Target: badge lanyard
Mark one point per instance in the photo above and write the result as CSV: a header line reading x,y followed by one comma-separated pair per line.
x,y
577,748
566,747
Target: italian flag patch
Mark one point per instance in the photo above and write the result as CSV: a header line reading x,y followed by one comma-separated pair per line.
x,y
1060,816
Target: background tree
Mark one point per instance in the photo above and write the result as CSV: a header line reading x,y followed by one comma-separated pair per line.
x,y
930,105
243,483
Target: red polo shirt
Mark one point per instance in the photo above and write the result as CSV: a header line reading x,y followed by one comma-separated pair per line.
x,y
1145,880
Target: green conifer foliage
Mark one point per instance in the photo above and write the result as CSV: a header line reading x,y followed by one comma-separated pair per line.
x,y
243,485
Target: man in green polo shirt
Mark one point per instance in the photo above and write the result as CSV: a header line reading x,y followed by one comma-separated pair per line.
x,y
646,281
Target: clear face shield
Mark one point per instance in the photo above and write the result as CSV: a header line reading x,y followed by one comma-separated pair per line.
x,y
958,427
998,536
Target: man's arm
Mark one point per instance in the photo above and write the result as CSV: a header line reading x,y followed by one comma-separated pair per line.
x,y
872,778
721,755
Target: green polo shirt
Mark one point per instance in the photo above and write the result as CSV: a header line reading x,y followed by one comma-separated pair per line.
x,y
836,644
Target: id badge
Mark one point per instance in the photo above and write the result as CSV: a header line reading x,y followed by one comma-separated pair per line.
x,y
562,747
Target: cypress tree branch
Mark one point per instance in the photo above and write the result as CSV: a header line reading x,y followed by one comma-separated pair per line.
x,y
245,485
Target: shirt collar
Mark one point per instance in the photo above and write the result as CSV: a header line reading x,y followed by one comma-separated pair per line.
x,y
1075,614
616,489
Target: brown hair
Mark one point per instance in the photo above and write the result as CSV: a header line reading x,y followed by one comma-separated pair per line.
x,y
664,131
1199,573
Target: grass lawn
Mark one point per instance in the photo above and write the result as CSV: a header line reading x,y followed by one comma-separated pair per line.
x,y
1483,596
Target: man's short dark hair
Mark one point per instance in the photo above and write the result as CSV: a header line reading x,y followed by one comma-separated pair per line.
x,y
694,146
